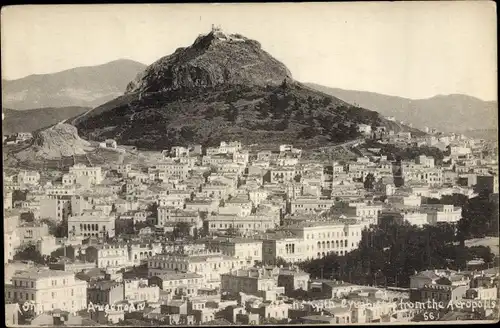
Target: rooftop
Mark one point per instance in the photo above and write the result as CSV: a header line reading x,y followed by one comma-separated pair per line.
x,y
40,273
173,275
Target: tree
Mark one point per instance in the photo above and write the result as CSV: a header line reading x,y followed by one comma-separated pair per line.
x,y
391,253
282,125
181,230
27,217
153,208
29,253
298,115
210,113
232,231
232,113
281,262
369,181
19,195
327,101
57,229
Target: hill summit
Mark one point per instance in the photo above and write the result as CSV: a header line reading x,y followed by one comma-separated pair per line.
x,y
213,59
223,87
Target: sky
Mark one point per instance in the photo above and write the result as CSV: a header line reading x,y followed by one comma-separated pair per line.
x,y
408,49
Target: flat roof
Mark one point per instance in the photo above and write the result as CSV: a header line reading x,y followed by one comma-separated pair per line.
x,y
40,273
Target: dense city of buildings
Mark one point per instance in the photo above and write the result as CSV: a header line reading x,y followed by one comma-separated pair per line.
x,y
200,235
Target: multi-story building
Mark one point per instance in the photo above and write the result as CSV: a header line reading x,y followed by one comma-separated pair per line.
x,y
92,201
292,279
105,292
216,190
166,171
94,173
11,243
282,174
32,231
217,159
236,206
251,281
405,200
139,290
91,223
210,265
48,290
202,205
178,283
363,210
247,249
437,213
139,252
412,215
310,205
7,200
229,147
245,225
280,246
108,255
443,293
426,161
173,215
56,208
178,151
28,178
312,240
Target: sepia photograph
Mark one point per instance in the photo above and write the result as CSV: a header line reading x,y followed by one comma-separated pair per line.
x,y
268,164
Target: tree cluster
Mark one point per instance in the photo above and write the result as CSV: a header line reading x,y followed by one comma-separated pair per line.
x,y
391,253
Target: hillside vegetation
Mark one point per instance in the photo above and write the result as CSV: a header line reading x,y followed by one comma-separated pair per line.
x,y
273,114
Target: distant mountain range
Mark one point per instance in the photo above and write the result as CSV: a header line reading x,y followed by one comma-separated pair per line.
x,y
82,86
448,113
35,119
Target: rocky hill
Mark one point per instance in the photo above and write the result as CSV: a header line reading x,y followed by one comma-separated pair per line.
x,y
55,142
35,119
222,87
449,113
212,60
82,86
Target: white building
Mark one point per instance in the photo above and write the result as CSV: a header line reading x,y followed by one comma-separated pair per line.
x,y
437,213
364,128
426,161
93,173
312,240
28,178
229,147
208,264
247,249
91,223
48,290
